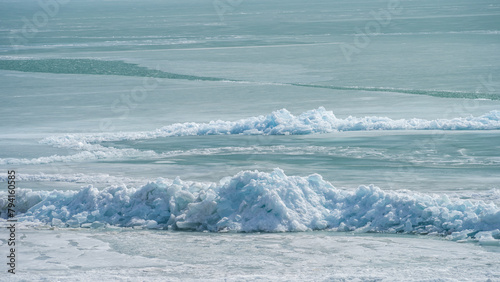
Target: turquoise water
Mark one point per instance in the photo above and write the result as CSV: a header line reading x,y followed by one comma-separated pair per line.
x,y
80,70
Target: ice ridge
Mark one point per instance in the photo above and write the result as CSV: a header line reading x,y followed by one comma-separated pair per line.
x,y
253,201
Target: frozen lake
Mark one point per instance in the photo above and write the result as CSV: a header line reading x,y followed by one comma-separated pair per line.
x,y
148,137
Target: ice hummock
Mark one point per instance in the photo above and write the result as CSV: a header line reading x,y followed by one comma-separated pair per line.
x,y
253,201
281,122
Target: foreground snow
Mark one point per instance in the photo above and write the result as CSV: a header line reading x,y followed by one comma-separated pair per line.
x,y
127,254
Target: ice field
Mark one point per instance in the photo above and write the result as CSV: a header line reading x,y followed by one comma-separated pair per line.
x,y
251,140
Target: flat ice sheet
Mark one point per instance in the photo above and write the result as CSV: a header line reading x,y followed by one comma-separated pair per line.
x,y
126,254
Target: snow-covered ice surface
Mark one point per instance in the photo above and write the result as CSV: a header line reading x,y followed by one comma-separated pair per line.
x,y
126,254
178,140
